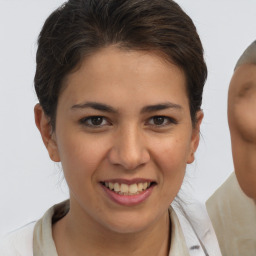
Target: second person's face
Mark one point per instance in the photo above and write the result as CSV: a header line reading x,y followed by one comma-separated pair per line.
x,y
242,124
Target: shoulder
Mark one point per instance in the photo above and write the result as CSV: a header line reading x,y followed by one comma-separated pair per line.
x,y
19,242
226,192
221,204
233,216
197,227
229,200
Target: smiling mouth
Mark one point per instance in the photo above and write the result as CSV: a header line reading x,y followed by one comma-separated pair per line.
x,y
128,190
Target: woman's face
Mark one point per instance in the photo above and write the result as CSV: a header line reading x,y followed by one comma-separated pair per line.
x,y
124,136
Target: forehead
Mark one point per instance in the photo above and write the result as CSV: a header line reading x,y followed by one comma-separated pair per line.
x,y
114,60
132,74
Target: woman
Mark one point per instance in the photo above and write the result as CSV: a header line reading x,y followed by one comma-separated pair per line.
x,y
120,87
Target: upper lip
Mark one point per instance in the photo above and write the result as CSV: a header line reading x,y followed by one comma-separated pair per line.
x,y
128,181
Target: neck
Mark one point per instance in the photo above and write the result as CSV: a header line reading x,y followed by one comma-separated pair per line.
x,y
78,235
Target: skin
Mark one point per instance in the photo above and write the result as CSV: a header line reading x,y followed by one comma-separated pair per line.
x,y
126,145
242,124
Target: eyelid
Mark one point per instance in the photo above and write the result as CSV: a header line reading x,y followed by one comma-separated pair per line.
x,y
83,121
170,121
86,121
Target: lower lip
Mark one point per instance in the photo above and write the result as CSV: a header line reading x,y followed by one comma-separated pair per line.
x,y
128,200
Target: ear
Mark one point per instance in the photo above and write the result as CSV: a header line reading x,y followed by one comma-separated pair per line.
x,y
43,124
195,137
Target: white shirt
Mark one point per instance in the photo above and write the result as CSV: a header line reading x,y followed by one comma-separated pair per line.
x,y
233,215
191,236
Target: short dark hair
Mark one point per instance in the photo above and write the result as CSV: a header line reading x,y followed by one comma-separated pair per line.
x,y
81,27
248,56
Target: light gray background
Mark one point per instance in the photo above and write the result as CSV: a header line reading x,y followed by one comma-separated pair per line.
x,y
29,182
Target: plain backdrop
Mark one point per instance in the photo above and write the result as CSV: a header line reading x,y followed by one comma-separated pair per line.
x,y
29,182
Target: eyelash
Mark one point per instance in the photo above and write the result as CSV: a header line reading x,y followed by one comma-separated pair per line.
x,y
88,121
84,121
167,121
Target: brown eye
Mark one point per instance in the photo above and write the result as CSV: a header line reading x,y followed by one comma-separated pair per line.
x,y
158,120
161,121
97,120
94,121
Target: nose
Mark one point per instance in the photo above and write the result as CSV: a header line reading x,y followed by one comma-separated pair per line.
x,y
129,150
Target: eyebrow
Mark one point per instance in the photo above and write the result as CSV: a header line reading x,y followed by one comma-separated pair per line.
x,y
95,105
161,106
109,109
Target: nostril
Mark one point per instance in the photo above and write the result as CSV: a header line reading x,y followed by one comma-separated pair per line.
x,y
128,154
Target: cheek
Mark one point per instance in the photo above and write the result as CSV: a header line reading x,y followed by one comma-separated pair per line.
x,y
244,119
80,156
171,160
171,155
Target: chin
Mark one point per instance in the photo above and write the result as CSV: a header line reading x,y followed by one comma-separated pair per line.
x,y
129,224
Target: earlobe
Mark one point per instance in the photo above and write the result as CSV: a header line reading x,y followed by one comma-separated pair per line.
x,y
191,158
195,137
43,124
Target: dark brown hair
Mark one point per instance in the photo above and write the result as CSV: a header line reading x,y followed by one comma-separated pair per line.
x,y
81,27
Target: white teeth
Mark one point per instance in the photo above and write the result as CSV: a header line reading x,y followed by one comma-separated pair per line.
x,y
133,189
116,187
111,185
125,189
140,187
